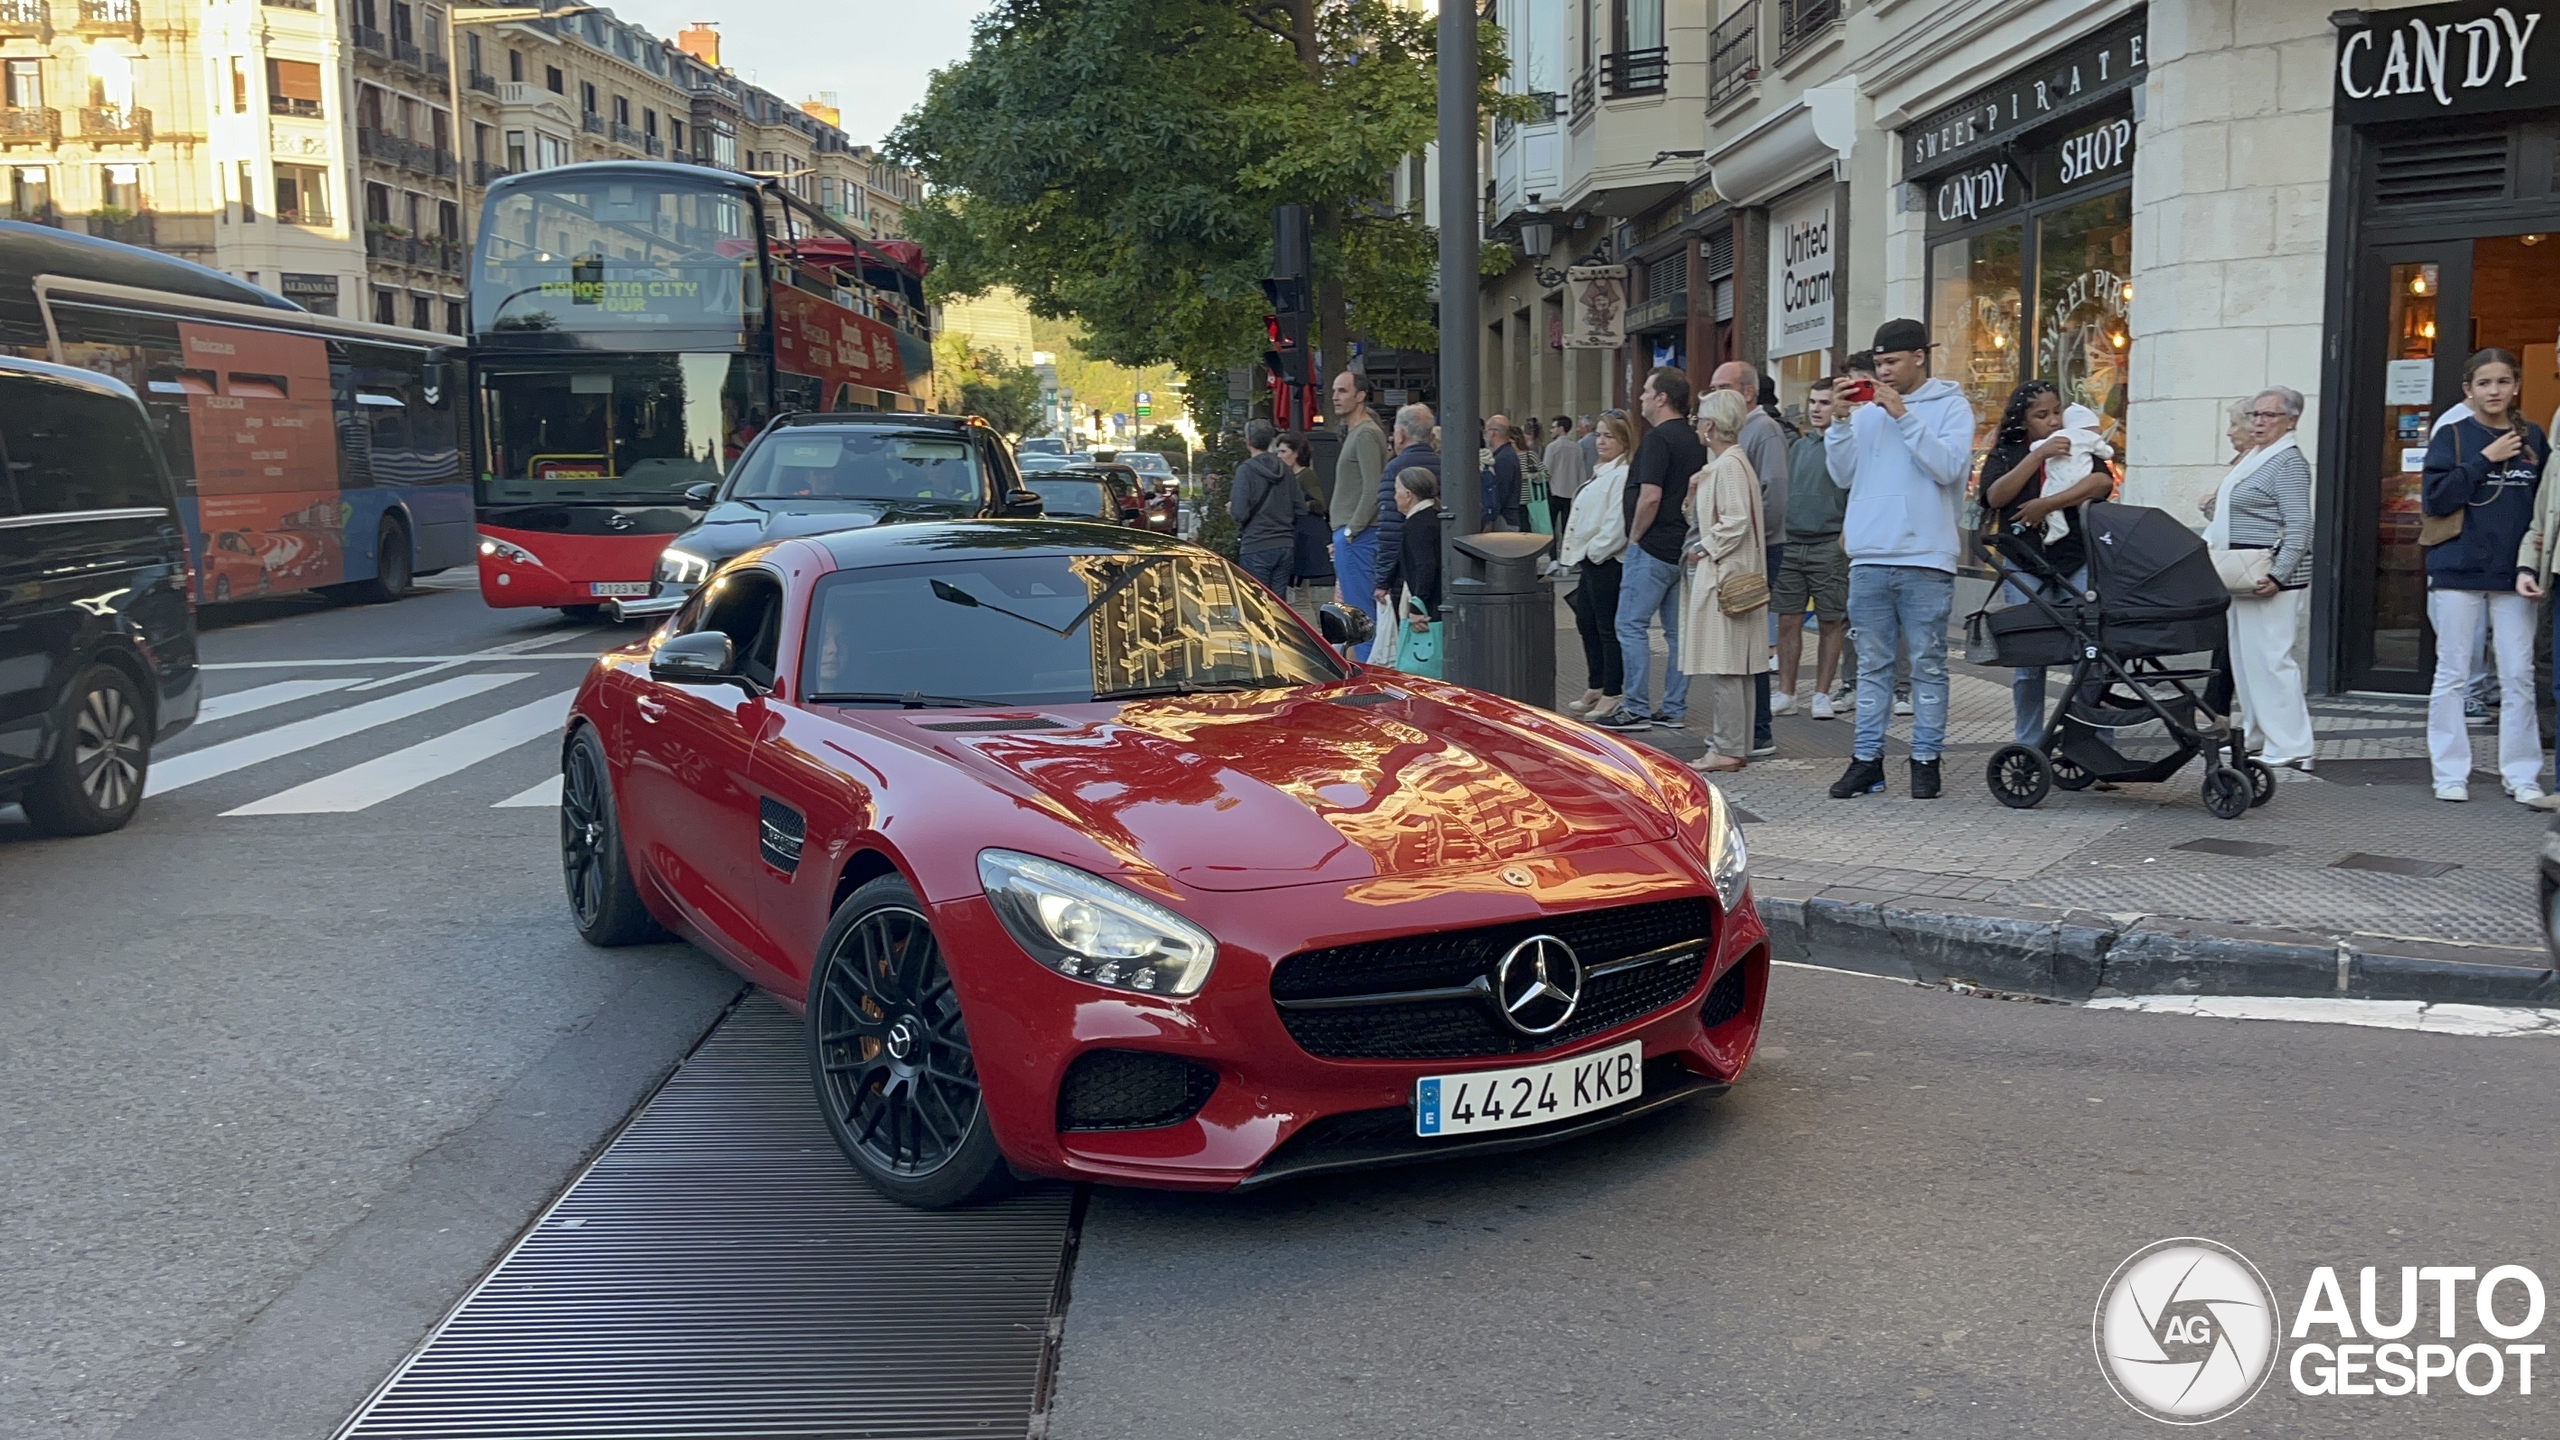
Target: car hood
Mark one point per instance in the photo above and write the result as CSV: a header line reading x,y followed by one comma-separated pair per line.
x,y
1333,785
734,527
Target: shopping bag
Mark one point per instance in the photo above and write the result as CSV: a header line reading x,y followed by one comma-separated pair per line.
x,y
1419,652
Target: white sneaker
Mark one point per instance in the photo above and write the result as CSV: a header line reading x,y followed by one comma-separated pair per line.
x,y
2455,793
2525,794
1902,703
1821,707
1781,703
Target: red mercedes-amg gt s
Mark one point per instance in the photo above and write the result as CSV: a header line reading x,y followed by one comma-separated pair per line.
x,y
1084,857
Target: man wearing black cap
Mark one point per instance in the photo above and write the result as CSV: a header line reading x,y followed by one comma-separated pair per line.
x,y
1904,458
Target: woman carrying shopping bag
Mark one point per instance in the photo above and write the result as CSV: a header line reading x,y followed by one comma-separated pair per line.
x,y
1418,650
2260,537
1724,627
2477,502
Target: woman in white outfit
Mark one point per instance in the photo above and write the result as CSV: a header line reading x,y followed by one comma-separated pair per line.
x,y
2265,504
1595,534
1723,651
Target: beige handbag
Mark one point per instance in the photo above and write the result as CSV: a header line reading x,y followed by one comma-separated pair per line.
x,y
2241,570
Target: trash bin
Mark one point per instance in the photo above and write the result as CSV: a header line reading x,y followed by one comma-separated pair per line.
x,y
1502,617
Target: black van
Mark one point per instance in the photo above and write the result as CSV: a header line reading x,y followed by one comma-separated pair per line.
x,y
97,635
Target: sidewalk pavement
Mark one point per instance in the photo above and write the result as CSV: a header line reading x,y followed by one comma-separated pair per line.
x,y
2352,881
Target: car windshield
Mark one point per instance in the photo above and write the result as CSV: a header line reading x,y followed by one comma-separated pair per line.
x,y
998,629
1042,446
859,465
1072,497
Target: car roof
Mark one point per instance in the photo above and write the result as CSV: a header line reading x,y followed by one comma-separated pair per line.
x,y
914,543
874,419
69,375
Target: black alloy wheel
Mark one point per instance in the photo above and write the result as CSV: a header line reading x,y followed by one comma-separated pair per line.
x,y
2068,774
2226,793
597,871
890,1056
93,783
2020,776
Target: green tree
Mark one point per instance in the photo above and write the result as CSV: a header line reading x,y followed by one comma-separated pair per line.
x,y
1164,440
1118,161
996,389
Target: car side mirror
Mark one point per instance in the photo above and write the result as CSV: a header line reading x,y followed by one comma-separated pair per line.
x,y
701,496
1024,504
1343,625
704,657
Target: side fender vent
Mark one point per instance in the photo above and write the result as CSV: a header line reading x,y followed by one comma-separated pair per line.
x,y
779,833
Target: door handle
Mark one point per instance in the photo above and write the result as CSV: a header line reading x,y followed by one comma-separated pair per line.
x,y
651,708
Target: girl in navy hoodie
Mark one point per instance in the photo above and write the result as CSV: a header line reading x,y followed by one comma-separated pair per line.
x,y
2485,468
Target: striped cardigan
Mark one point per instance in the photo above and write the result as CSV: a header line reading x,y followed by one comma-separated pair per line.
x,y
2272,510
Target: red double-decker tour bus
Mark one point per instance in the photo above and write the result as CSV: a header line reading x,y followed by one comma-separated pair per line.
x,y
634,324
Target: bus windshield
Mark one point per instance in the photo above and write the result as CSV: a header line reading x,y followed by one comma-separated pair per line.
x,y
620,428
617,255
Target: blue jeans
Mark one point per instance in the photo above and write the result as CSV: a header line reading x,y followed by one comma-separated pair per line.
x,y
2026,683
1901,610
1650,587
1355,569
1274,568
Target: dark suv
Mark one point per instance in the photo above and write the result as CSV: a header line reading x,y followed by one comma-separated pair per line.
x,y
97,635
808,474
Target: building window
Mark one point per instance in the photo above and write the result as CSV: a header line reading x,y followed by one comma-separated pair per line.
x,y
26,85
440,131
421,313
471,48
120,188
293,87
555,151
453,317
248,194
377,206
448,220
675,136
239,85
622,110
515,66
556,82
480,142
386,308
302,195
515,151
587,96
30,193
649,123
413,212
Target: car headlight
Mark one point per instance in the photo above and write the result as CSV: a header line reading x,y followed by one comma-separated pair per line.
x,y
1728,861
681,567
1086,928
501,550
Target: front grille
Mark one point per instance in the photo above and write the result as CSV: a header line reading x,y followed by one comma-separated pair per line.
x,y
1727,998
1131,1090
1457,1028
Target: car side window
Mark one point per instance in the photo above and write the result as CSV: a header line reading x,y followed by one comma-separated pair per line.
x,y
74,449
746,606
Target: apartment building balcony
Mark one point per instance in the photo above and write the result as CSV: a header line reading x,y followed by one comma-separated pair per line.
x,y
39,127
625,135
484,82
485,173
655,147
115,125
368,38
404,52
592,123
124,229
26,20
1528,159
416,156
111,18
311,5
395,246
1733,56
289,105
1802,22
1616,159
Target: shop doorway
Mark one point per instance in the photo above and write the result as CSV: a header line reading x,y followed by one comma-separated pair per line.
x,y
2437,303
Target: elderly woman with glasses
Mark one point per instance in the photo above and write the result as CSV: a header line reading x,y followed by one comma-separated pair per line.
x,y
2265,504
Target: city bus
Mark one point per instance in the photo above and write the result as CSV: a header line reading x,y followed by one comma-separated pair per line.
x,y
634,325
310,453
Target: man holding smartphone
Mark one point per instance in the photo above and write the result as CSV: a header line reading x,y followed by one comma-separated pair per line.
x,y
1904,453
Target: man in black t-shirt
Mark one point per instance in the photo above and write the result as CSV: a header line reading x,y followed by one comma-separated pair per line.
x,y
1657,491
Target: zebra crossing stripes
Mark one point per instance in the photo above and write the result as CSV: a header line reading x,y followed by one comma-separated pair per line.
x,y
362,786
264,697
179,771
542,795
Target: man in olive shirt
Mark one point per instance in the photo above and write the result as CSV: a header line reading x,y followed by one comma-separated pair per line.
x,y
1657,489
1355,497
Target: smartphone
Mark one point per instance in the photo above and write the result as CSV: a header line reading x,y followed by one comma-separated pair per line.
x,y
1857,390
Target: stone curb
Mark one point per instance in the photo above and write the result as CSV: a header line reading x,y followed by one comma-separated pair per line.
x,y
2065,954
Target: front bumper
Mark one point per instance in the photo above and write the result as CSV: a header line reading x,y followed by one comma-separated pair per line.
x,y
1277,1111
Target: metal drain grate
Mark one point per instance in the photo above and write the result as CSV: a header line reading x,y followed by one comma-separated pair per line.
x,y
722,1271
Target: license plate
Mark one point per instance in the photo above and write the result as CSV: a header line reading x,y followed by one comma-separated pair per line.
x,y
1528,1094
635,589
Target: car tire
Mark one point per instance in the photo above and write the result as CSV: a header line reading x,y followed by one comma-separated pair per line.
x,y
391,566
890,1057
94,781
594,866
582,614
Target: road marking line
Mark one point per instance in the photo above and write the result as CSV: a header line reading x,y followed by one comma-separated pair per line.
x,y
1836,970
378,660
494,652
360,787
182,770
249,702
544,796
2479,1021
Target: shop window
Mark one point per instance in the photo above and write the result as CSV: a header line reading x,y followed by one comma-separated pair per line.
x,y
1975,289
2084,282
293,87
302,195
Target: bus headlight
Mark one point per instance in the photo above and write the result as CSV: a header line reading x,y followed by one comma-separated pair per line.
x,y
681,567
501,550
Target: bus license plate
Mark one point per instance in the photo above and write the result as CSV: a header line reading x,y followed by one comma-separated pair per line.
x,y
629,589
1529,1094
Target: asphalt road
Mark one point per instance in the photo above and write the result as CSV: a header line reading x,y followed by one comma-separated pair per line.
x,y
281,1083
279,1086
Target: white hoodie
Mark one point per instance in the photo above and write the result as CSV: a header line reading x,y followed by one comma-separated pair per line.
x,y
1905,478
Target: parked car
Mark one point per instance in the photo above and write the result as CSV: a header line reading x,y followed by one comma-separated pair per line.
x,y
1089,858
97,630
1090,492
1154,467
811,473
1040,445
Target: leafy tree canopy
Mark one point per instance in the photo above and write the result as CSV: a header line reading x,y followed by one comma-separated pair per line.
x,y
994,387
1118,161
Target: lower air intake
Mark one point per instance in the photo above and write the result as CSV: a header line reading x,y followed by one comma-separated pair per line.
x,y
1131,1090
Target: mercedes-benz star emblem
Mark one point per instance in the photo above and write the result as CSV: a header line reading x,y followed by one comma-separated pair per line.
x,y
1538,983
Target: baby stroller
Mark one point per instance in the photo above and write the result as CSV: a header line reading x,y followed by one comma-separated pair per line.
x,y
2125,715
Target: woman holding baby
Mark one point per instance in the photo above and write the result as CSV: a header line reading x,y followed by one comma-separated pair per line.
x,y
2043,465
